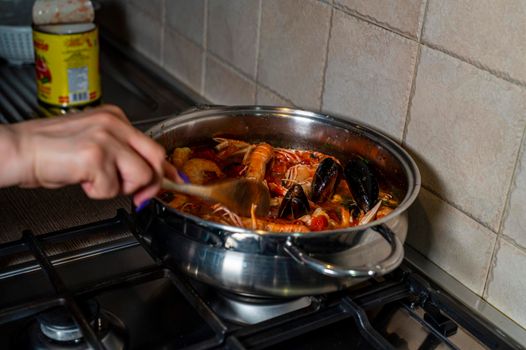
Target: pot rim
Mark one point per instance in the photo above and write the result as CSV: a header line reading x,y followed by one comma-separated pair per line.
x,y
409,165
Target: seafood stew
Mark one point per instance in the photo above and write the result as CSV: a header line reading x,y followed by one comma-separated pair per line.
x,y
310,190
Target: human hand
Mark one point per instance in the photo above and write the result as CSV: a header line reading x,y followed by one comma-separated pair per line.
x,y
97,148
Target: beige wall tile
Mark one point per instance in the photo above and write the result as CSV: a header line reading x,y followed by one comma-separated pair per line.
x,y
183,58
465,130
187,17
151,7
369,74
292,50
515,220
266,97
402,15
233,32
486,31
507,284
144,32
223,85
452,240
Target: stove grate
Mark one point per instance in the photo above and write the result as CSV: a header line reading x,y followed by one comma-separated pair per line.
x,y
360,316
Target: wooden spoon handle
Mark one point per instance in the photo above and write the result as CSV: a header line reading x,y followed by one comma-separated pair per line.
x,y
194,190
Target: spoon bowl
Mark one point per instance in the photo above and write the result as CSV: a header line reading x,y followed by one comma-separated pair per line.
x,y
237,195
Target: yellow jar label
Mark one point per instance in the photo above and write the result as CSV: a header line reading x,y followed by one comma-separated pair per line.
x,y
67,67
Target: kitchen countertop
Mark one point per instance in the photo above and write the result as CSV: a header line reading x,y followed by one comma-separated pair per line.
x,y
129,80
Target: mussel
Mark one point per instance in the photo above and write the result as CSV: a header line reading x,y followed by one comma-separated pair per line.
x,y
295,203
362,183
325,180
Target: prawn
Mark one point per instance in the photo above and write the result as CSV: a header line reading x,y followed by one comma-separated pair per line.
x,y
230,147
271,226
257,161
288,154
230,217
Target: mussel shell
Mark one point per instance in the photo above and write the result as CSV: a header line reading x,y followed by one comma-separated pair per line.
x,y
362,183
295,203
325,180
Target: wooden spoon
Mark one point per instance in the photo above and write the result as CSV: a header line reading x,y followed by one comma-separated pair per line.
x,y
237,195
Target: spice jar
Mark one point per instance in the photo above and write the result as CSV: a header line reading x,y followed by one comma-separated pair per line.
x,y
66,56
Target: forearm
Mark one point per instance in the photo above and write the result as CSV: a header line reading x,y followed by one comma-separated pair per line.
x,y
11,161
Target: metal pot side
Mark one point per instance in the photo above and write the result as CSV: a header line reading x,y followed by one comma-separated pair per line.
x,y
277,264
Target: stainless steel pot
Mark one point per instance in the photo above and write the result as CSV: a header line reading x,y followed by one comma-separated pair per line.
x,y
282,264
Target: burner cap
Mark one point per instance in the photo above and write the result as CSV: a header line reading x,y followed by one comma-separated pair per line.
x,y
59,325
247,310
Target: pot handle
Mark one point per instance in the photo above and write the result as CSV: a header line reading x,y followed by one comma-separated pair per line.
x,y
378,268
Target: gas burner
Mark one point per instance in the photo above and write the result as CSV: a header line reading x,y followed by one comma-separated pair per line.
x,y
56,329
250,310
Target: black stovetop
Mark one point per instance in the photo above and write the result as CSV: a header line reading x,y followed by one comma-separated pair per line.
x,y
146,305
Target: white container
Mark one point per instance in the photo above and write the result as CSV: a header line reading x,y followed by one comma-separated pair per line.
x,y
16,39
63,11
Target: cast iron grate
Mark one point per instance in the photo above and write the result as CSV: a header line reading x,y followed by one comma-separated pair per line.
x,y
345,314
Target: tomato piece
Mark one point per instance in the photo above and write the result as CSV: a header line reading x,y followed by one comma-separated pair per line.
x,y
319,223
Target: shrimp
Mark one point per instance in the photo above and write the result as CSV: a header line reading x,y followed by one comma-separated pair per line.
x,y
229,147
289,154
271,226
200,171
229,217
180,155
277,227
257,161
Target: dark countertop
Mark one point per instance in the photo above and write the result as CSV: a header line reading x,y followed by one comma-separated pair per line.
x,y
142,89
43,210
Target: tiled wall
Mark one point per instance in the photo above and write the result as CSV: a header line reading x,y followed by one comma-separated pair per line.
x,y
445,78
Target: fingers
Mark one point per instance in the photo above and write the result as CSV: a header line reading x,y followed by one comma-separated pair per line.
x,y
102,179
97,148
134,171
113,120
171,172
130,172
146,193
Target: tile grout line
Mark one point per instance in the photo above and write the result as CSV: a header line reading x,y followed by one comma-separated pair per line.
x,y
373,21
258,39
230,66
505,213
496,73
423,23
492,263
245,76
277,94
326,63
513,243
463,211
424,18
412,90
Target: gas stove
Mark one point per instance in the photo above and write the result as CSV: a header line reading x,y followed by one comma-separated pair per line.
x,y
116,295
